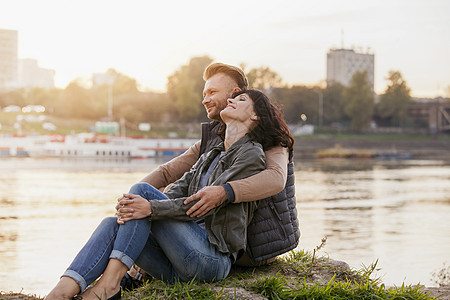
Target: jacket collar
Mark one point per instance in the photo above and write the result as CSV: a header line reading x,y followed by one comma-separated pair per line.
x,y
235,145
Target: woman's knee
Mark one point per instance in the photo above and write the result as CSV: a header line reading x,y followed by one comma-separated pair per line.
x,y
140,187
109,221
107,227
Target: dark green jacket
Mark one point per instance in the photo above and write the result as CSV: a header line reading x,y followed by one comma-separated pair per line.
x,y
274,228
226,225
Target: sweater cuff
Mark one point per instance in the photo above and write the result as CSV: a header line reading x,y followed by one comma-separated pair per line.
x,y
230,192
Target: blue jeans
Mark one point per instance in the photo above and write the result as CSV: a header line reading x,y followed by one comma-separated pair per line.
x,y
167,249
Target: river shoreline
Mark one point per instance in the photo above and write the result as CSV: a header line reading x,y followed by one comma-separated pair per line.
x,y
307,148
300,273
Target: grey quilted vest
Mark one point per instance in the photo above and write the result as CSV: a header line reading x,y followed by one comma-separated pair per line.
x,y
274,228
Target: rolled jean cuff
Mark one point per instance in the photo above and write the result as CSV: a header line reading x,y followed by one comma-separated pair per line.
x,y
125,259
78,279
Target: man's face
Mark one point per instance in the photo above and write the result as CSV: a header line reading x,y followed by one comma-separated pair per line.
x,y
217,90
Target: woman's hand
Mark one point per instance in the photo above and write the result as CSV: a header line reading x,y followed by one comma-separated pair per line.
x,y
209,198
132,207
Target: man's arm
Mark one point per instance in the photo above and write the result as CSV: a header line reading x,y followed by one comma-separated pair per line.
x,y
173,169
269,182
249,162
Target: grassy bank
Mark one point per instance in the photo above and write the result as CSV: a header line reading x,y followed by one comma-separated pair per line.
x,y
374,137
418,146
162,129
299,275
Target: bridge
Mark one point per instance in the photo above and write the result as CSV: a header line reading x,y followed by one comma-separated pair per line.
x,y
436,114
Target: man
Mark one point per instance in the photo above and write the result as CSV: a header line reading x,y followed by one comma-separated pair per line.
x,y
221,81
275,225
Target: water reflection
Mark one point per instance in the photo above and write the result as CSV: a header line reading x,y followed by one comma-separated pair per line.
x,y
394,211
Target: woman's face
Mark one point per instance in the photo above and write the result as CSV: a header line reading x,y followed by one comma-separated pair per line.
x,y
239,109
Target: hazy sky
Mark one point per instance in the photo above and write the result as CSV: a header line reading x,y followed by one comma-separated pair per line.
x,y
148,40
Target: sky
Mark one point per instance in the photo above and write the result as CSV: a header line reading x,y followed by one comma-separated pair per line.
x,y
149,40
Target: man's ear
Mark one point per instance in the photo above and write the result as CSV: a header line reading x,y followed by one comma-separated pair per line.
x,y
236,89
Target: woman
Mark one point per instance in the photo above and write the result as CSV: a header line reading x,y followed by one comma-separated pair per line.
x,y
153,229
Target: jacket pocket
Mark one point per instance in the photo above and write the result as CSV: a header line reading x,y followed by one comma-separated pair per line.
x,y
278,219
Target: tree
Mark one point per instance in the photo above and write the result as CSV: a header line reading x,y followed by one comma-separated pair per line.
x,y
76,101
122,84
358,101
14,97
297,100
115,86
185,88
332,100
142,107
394,101
263,78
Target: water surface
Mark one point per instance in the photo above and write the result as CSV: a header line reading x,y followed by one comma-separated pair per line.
x,y
393,211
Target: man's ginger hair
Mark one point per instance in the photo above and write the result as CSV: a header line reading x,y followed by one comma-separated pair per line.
x,y
233,72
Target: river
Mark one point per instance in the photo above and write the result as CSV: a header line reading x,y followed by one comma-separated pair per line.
x,y
396,212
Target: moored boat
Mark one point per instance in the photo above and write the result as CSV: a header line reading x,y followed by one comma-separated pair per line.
x,y
88,145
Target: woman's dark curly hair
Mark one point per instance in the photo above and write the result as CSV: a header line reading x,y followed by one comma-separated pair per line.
x,y
271,130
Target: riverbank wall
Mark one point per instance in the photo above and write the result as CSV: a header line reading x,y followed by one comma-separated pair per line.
x,y
307,148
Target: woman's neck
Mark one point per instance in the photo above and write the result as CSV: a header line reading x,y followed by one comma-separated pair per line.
x,y
234,132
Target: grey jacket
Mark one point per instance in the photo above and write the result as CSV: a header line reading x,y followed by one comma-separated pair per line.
x,y
226,225
274,228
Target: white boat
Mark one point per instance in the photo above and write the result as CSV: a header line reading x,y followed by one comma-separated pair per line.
x,y
89,145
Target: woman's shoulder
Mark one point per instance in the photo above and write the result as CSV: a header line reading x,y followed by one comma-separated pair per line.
x,y
252,148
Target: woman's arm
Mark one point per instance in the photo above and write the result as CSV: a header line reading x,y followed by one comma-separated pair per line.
x,y
268,182
247,163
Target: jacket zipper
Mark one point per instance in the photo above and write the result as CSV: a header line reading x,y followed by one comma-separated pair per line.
x,y
274,211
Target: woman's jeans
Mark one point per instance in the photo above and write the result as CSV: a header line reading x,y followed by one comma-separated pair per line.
x,y
167,249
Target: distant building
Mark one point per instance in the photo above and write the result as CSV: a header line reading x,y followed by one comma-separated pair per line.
x,y
8,58
105,78
342,64
31,75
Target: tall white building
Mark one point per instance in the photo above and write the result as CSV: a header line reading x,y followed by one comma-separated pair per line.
x,y
8,58
342,64
31,75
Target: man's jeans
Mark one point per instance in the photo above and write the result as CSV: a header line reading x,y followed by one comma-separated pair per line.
x,y
167,249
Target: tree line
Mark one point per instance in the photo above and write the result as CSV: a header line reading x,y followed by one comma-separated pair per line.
x,y
352,106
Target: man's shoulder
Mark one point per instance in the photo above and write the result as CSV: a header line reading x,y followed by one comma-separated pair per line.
x,y
210,124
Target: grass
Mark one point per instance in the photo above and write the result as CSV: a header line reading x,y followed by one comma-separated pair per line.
x,y
299,275
72,125
66,126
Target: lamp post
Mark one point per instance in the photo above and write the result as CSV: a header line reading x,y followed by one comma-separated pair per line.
x,y
320,111
111,78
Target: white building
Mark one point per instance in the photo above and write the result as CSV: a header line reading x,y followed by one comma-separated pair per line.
x,y
8,58
31,75
105,78
342,64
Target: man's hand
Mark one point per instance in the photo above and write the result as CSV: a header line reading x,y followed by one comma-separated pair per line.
x,y
210,197
132,207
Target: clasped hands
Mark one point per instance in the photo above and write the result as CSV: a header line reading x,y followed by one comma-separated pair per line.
x,y
133,207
